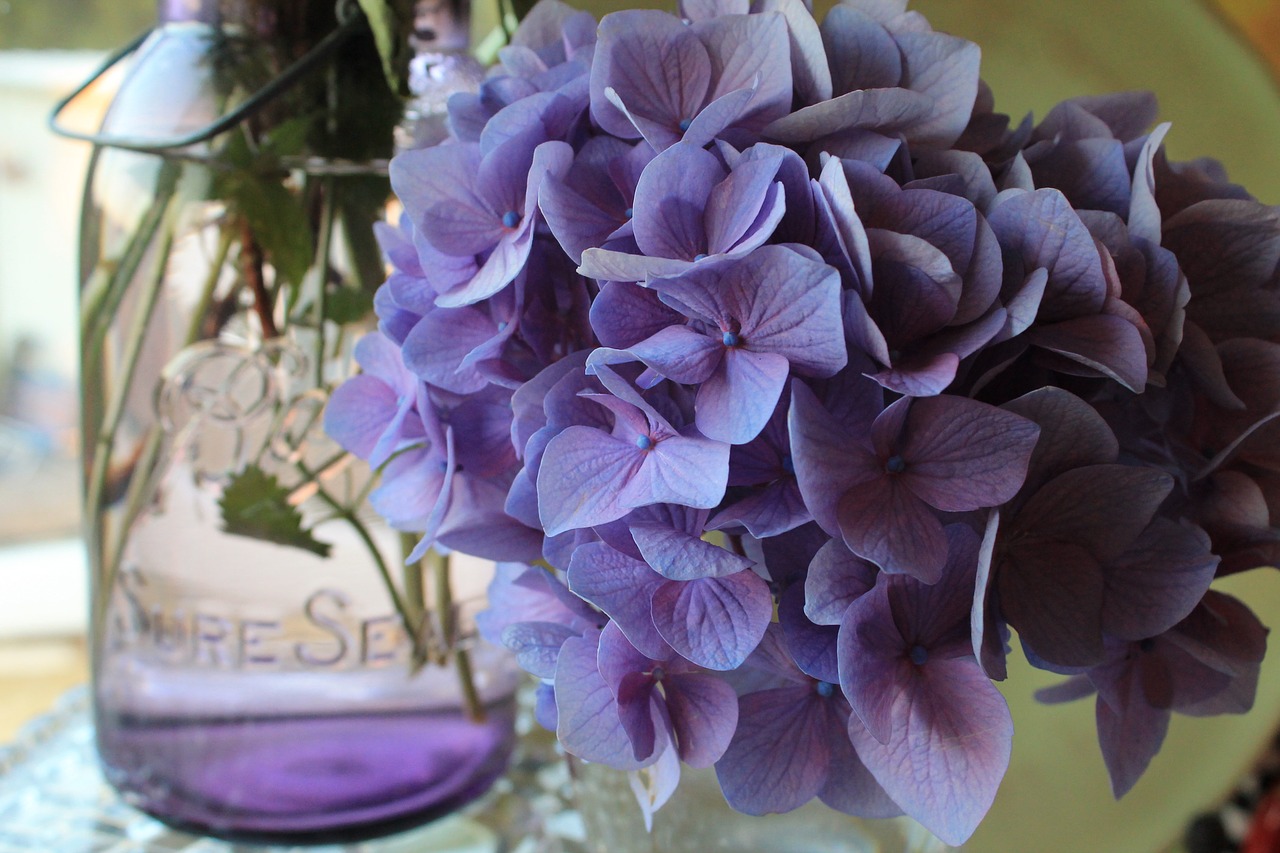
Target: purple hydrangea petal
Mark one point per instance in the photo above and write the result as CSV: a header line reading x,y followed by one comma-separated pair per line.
x,y
624,314
718,115
438,183
577,223
737,400
438,345
1040,229
814,647
769,511
670,200
850,787
945,69
622,587
1092,173
537,645
1054,597
872,109
657,66
1144,215
827,464
921,377
874,669
588,724
777,760
947,754
714,622
1072,434
611,265
681,556
734,204
885,522
703,709
837,577
1158,581
676,352
1105,343
962,455
356,415
988,634
870,58
581,478
1130,732
521,593
810,72
751,52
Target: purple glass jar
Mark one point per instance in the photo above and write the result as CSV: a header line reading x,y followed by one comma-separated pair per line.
x,y
265,666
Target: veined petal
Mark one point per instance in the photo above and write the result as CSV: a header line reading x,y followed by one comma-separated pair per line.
x,y
736,401
704,715
671,200
681,556
948,751
714,622
777,760
622,587
837,577
962,455
827,464
655,63
883,521
582,478
588,725
680,354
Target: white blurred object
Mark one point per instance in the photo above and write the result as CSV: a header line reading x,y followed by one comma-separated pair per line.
x,y
46,589
40,184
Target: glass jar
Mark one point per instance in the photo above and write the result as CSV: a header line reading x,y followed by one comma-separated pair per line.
x,y
265,666
696,819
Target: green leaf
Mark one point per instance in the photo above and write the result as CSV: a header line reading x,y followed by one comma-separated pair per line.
x,y
391,24
254,504
344,305
278,221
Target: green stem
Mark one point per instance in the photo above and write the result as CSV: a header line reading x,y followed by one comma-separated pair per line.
x,y
196,331
114,416
466,679
443,598
415,600
449,631
349,516
328,204
100,299
141,486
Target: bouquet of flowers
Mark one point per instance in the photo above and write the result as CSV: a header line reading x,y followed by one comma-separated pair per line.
x,y
787,381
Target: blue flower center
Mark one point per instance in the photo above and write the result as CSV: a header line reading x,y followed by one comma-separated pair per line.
x,y
699,256
919,654
502,327
644,442
895,465
630,212
730,339
658,673
788,464
684,124
510,219
825,689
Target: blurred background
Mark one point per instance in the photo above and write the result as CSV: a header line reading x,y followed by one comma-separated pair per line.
x,y
1213,63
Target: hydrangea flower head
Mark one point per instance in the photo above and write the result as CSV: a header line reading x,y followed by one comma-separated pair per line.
x,y
809,380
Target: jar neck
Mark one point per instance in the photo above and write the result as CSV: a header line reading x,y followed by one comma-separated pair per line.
x,y
190,11
256,18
